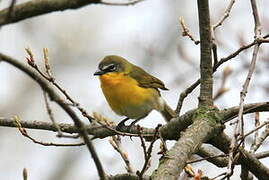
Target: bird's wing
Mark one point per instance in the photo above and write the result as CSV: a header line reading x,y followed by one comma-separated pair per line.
x,y
146,80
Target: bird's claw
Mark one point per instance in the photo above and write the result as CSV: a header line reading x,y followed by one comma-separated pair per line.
x,y
120,125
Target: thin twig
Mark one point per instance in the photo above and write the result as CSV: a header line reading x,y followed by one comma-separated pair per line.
x,y
25,134
256,135
254,130
121,4
10,10
49,111
116,144
51,116
188,90
225,15
262,137
110,125
184,94
206,158
221,174
48,76
186,31
147,153
239,126
226,73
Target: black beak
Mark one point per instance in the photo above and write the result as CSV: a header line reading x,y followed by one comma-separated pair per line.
x,y
99,73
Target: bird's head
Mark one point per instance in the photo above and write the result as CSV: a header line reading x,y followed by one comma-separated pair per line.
x,y
113,64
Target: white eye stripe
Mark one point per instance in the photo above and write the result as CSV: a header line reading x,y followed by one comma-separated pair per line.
x,y
109,67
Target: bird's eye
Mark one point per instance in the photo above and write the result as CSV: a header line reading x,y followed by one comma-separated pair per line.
x,y
111,67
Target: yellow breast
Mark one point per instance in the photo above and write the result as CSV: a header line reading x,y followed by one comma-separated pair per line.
x,y
122,93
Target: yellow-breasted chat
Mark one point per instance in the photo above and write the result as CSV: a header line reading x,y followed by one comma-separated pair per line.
x,y
130,91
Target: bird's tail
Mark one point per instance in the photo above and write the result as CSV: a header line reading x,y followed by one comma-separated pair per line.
x,y
168,113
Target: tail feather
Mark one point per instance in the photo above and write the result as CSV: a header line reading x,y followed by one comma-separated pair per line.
x,y
168,113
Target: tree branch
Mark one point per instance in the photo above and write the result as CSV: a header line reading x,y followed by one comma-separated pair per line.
x,y
169,131
200,131
189,90
56,98
222,141
36,8
232,112
127,176
206,80
225,15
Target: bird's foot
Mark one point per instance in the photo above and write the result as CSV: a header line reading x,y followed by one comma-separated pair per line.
x,y
120,126
129,127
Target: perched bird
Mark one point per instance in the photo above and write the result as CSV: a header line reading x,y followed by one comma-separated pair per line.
x,y
130,91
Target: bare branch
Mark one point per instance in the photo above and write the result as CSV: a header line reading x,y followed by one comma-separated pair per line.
x,y
10,13
222,89
255,130
220,160
147,153
35,8
186,31
48,76
258,28
239,128
49,111
262,137
256,135
225,15
175,159
133,2
184,94
116,144
261,155
25,134
222,141
189,90
206,87
232,112
97,130
55,97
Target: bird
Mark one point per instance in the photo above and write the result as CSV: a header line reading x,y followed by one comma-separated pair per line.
x,y
130,91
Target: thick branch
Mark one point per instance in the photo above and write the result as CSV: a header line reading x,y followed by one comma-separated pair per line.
x,y
36,8
175,159
232,112
207,153
206,86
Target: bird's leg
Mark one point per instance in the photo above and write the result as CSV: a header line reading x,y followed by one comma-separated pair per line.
x,y
121,124
132,124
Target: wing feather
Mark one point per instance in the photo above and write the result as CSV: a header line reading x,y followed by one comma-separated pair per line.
x,y
146,80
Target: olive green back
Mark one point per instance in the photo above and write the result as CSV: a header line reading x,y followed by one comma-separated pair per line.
x,y
146,80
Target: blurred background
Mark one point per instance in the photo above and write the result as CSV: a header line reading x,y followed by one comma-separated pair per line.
x,y
147,34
